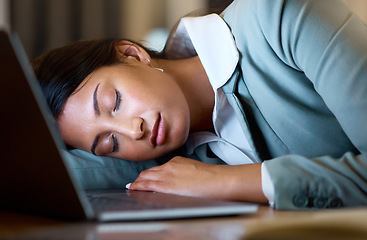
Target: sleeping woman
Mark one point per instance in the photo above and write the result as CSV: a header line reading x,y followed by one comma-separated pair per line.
x,y
274,89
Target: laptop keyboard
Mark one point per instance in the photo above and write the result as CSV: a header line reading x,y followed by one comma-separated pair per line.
x,y
120,202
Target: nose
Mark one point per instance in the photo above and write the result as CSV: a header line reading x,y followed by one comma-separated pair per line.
x,y
132,128
137,130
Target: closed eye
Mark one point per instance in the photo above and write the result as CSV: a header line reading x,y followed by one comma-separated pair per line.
x,y
115,144
118,101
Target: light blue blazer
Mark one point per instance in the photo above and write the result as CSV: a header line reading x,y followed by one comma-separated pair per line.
x,y
300,92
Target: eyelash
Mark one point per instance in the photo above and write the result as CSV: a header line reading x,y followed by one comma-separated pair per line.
x,y
115,143
117,106
118,101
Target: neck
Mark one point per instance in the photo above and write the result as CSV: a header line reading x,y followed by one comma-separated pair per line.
x,y
194,83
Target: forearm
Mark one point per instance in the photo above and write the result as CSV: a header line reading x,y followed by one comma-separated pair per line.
x,y
193,178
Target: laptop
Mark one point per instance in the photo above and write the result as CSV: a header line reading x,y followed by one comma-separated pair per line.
x,y
35,178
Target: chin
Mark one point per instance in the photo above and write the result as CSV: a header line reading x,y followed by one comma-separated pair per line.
x,y
181,137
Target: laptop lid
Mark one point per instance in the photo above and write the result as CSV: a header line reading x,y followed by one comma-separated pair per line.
x,y
34,176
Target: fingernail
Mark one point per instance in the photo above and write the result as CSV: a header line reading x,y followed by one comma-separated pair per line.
x,y
128,185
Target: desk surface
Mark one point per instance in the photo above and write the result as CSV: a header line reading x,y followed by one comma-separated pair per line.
x,y
264,224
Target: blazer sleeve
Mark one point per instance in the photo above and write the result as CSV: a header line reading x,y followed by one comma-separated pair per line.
x,y
328,43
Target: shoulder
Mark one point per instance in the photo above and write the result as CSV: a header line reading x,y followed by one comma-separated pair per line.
x,y
272,12
281,23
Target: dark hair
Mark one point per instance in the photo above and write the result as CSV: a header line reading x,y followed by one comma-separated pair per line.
x,y
61,70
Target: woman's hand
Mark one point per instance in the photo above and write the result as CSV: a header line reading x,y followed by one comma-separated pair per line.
x,y
188,177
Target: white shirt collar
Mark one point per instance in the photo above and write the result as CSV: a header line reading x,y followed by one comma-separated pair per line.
x,y
216,48
211,32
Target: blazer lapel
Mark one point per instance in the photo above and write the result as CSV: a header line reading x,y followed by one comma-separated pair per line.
x,y
238,96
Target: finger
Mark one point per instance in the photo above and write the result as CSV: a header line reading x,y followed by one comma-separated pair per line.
x,y
153,175
155,168
148,185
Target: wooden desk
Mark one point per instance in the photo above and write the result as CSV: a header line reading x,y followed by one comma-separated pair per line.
x,y
265,224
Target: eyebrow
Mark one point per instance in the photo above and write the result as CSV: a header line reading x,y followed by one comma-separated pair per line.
x,y
97,112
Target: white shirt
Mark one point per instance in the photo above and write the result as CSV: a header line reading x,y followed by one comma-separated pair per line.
x,y
229,143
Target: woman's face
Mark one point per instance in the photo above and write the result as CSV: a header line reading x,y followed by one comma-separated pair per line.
x,y
130,111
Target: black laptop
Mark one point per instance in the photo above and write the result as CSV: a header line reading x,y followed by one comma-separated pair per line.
x,y
35,178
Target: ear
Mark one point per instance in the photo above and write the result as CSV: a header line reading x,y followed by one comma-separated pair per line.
x,y
126,48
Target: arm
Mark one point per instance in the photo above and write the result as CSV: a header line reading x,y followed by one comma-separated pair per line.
x,y
328,44
185,176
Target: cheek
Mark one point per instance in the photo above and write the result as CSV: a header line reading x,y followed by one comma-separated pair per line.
x,y
74,133
179,118
180,131
76,137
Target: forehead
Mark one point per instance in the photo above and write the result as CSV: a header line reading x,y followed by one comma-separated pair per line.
x,y
76,120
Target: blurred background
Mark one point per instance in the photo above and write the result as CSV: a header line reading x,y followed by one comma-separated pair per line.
x,y
46,24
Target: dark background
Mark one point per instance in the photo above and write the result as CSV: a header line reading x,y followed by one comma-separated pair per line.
x,y
46,24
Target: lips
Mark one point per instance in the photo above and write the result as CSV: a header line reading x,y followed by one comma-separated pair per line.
x,y
158,132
